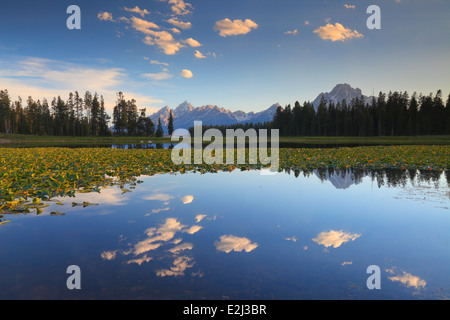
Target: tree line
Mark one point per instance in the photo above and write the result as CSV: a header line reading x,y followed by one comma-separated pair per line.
x,y
394,114
76,116
79,115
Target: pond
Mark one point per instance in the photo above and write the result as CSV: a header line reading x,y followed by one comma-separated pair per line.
x,y
239,235
153,145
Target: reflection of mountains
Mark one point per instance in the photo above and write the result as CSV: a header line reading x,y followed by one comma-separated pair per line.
x,y
340,180
343,179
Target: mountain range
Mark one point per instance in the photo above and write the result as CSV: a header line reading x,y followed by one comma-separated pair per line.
x,y
185,114
339,93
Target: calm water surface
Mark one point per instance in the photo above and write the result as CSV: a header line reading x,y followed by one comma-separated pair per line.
x,y
238,235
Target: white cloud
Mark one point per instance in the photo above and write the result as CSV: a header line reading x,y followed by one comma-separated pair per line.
x,y
293,32
141,12
105,16
336,32
199,55
226,27
180,24
186,73
157,76
230,243
334,238
156,62
143,26
48,78
349,6
175,30
192,42
180,7
164,40
306,22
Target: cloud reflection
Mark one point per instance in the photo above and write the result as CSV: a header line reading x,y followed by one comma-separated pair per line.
x,y
159,197
200,217
187,199
109,255
140,261
157,238
164,233
334,238
230,243
193,229
181,247
407,279
180,264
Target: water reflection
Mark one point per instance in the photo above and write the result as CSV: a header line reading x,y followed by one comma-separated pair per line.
x,y
157,237
335,238
143,146
230,243
345,178
299,235
406,279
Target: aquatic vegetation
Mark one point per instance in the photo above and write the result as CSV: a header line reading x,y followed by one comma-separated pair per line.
x,y
28,175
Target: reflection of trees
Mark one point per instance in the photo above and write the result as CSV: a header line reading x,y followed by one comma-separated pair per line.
x,y
447,175
144,146
383,177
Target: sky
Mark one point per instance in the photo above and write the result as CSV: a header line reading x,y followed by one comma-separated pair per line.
x,y
236,54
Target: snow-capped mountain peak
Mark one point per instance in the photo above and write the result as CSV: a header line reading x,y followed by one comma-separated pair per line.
x,y
183,108
185,115
340,92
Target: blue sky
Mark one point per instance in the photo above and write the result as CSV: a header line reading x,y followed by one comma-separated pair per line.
x,y
237,54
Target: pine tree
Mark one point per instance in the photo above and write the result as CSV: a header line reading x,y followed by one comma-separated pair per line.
x,y
170,126
447,116
159,131
95,117
5,111
322,117
119,114
131,116
412,116
103,119
149,127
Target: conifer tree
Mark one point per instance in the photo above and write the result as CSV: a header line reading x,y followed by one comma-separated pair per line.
x,y
159,131
170,126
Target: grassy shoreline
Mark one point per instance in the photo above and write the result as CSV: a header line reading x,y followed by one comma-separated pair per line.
x,y
20,140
